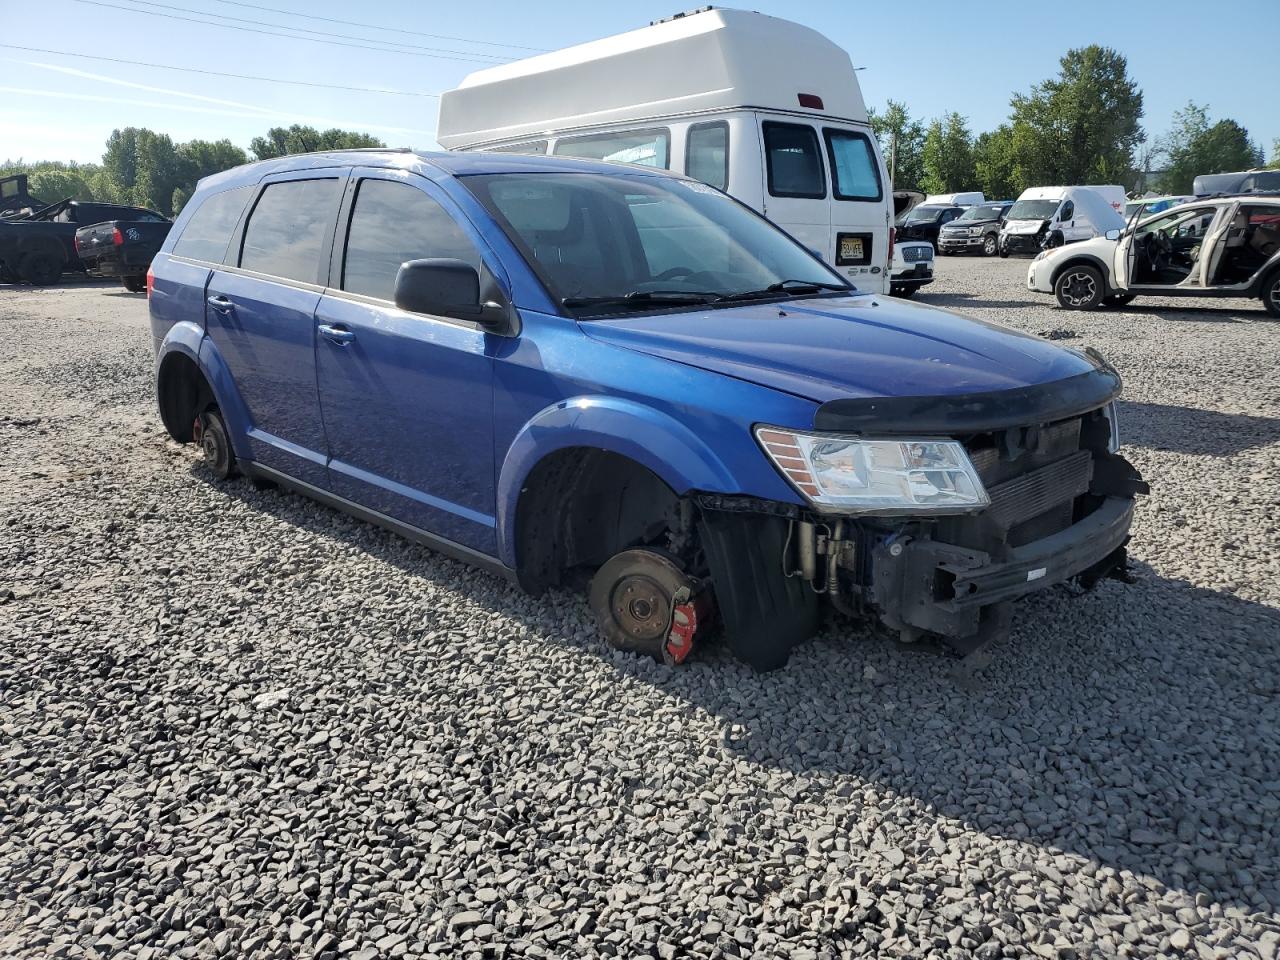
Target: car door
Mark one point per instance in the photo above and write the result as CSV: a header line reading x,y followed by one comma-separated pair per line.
x,y
407,398
795,187
1214,243
260,315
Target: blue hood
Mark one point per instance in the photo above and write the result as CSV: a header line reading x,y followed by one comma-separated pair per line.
x,y
847,347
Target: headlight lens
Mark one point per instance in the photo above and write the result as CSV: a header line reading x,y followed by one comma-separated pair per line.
x,y
876,476
975,231
1040,256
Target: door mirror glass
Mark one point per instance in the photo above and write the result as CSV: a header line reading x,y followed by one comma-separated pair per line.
x,y
1113,234
444,287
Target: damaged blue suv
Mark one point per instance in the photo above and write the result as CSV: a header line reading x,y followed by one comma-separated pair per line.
x,y
580,373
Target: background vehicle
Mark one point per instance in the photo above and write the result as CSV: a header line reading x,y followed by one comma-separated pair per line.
x,y
560,369
1227,247
40,247
1045,217
762,108
121,248
1243,181
926,221
1146,206
956,199
15,201
977,230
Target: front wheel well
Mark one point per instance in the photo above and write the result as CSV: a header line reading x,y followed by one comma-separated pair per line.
x,y
182,392
1084,262
580,506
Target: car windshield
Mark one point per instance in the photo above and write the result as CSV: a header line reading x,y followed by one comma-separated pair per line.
x,y
982,213
922,214
1032,210
605,243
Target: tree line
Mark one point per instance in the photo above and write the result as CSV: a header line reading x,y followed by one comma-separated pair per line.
x,y
1081,126
147,169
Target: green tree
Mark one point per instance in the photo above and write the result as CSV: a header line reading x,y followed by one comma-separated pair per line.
x,y
994,165
947,156
282,141
53,185
160,170
179,200
1081,126
1195,146
902,143
120,164
1274,162
206,157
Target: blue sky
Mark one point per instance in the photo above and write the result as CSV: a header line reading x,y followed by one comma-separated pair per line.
x,y
59,107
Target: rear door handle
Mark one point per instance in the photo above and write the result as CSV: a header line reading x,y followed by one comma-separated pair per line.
x,y
220,303
339,335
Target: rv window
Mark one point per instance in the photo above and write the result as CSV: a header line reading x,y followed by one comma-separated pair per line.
x,y
648,148
533,148
794,166
854,171
707,154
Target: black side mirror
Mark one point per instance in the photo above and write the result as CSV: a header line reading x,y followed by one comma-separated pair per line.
x,y
440,286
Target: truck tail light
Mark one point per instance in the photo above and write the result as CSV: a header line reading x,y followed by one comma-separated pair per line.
x,y
151,280
117,237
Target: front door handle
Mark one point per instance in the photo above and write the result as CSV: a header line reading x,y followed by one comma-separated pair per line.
x,y
220,303
339,335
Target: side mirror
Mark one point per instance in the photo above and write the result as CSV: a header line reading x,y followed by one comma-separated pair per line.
x,y
1113,234
441,286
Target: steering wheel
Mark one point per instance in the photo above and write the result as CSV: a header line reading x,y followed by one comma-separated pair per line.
x,y
674,272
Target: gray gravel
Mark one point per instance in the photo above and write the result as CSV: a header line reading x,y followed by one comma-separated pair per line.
x,y
236,724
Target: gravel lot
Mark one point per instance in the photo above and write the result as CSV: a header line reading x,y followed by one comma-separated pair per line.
x,y
233,723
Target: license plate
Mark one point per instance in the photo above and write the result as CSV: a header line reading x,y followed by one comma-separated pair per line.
x,y
850,248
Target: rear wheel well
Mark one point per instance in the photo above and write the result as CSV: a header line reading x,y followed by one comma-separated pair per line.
x,y
580,506
182,392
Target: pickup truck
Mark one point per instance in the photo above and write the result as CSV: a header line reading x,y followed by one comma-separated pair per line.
x,y
121,248
38,248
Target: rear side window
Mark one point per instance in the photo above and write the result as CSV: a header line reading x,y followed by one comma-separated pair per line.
x,y
707,154
209,230
533,147
392,223
855,175
648,148
793,164
286,230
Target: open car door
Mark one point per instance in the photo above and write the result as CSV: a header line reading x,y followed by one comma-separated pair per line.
x,y
1214,244
1125,252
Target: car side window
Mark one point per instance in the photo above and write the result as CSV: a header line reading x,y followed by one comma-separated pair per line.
x,y
207,233
1068,211
392,223
707,153
286,230
793,161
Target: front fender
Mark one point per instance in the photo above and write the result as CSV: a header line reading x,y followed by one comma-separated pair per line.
x,y
654,439
189,340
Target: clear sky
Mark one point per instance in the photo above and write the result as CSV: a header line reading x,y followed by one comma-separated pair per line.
x,y
935,55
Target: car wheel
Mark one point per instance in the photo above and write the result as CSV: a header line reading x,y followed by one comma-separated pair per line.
x,y
1119,299
903,292
135,284
633,597
1271,294
210,432
1079,288
41,269
989,245
1004,251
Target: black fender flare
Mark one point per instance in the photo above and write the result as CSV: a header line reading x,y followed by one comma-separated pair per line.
x,y
1090,260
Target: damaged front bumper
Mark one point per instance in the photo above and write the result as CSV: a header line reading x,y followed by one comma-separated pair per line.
x,y
921,585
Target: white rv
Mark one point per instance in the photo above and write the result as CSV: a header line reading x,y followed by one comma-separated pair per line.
x,y
762,108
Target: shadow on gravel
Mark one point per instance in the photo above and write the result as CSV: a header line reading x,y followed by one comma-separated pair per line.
x,y
1178,429
970,301
1137,726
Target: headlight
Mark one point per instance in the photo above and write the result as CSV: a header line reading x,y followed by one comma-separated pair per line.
x,y
975,231
876,476
1040,256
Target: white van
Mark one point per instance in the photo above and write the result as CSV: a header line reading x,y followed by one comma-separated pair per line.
x,y
762,108
971,199
1045,217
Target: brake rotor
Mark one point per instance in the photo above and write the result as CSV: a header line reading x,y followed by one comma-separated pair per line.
x,y
634,597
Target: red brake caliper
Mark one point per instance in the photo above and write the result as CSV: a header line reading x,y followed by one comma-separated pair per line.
x,y
686,614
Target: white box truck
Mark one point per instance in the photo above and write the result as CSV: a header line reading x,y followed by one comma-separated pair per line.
x,y
767,110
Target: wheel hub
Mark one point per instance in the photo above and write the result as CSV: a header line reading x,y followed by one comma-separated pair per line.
x,y
641,607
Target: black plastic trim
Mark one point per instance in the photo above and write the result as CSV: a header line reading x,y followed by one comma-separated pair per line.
x,y
971,412
449,548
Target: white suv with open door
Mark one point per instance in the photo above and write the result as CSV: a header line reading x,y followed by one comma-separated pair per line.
x,y
1221,247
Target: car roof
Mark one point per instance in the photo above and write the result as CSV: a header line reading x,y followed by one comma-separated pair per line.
x,y
457,163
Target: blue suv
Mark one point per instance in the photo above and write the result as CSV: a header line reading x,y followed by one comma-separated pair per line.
x,y
579,373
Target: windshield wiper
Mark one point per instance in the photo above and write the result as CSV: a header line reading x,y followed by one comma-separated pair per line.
x,y
787,286
643,298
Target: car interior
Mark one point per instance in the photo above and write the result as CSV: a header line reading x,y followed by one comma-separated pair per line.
x,y
1167,250
1252,239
